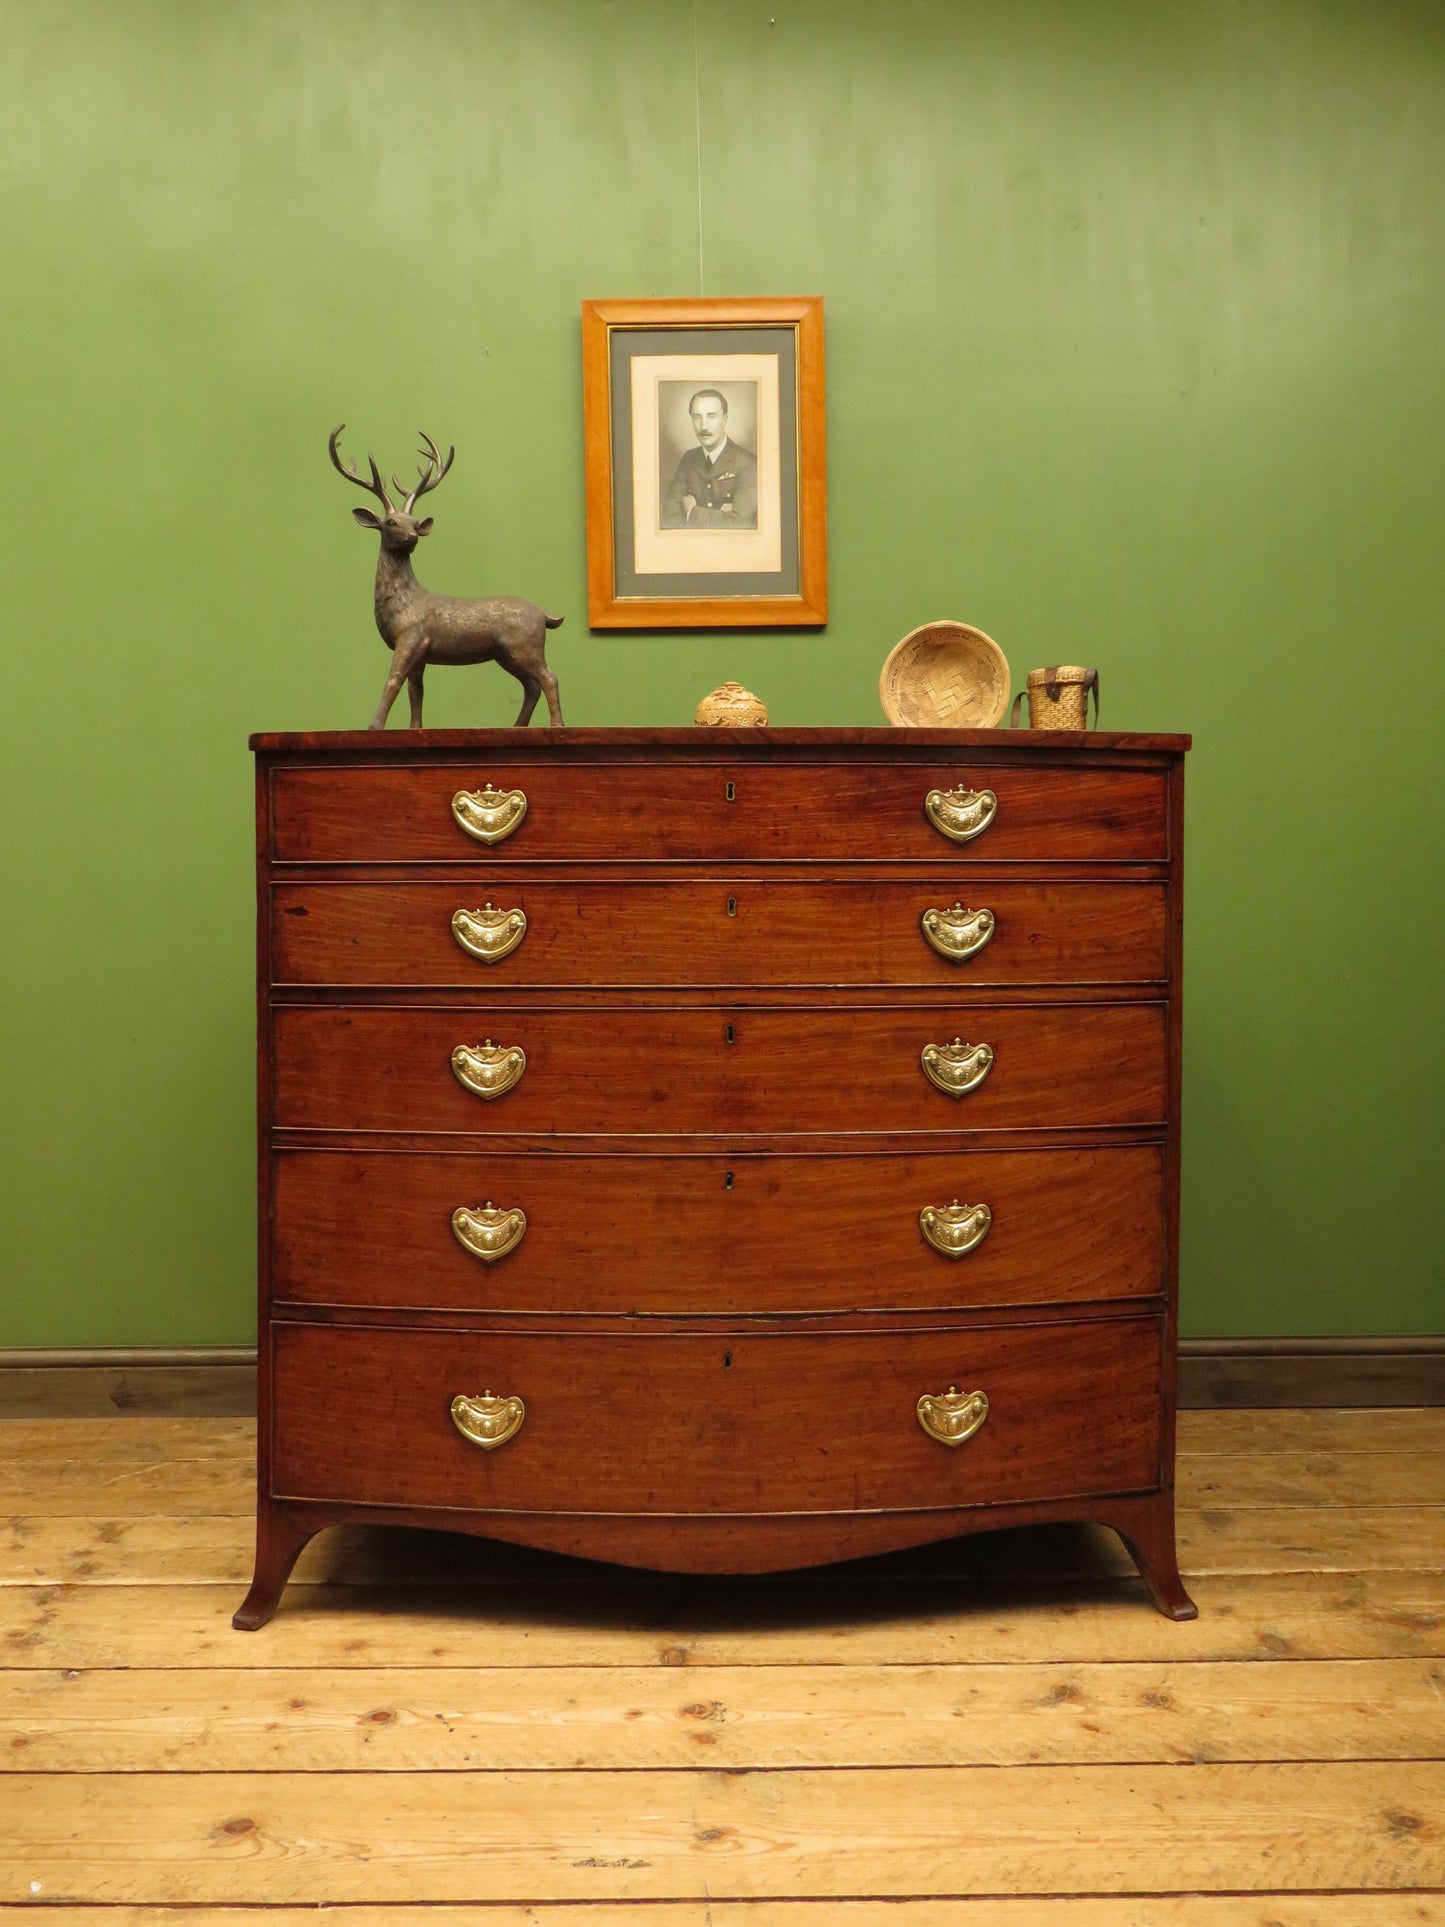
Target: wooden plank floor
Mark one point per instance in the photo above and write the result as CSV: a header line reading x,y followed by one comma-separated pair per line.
x,y
994,1733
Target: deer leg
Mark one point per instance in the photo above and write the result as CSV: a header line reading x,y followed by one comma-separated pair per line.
x,y
413,690
388,696
404,658
532,689
554,704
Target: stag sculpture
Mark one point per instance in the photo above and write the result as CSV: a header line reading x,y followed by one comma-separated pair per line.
x,y
419,627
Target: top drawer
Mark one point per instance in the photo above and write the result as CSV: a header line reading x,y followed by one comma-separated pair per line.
x,y
578,811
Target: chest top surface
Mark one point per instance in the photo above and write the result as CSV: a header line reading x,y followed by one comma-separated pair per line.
x,y
766,744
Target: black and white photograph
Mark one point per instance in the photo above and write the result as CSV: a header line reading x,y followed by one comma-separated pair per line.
x,y
707,454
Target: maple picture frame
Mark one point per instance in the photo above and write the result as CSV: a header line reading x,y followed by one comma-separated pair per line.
x,y
657,557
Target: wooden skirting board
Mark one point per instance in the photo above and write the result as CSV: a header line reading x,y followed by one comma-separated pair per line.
x,y
219,1381
1294,1372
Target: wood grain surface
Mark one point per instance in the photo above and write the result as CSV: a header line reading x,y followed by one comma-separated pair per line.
x,y
582,811
670,1069
1263,1438
764,1425
810,929
648,1834
601,1719
222,1479
571,1613
151,1550
717,1235
868,742
1409,1909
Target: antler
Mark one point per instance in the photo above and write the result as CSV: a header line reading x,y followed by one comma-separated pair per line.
x,y
348,473
430,475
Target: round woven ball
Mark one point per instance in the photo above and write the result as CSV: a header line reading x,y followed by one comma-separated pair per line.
x,y
731,707
945,675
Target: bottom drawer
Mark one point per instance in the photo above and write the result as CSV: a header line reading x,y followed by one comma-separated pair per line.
x,y
660,1423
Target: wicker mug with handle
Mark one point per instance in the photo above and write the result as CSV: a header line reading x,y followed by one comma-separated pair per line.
x,y
1059,698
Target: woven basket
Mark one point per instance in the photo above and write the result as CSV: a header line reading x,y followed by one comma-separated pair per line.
x,y
1059,698
731,707
946,675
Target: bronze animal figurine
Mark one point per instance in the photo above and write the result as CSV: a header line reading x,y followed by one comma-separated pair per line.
x,y
419,627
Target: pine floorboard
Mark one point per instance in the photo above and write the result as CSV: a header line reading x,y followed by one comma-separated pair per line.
x,y
993,1733
1190,1910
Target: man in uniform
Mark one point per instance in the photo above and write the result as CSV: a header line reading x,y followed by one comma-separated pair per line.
x,y
716,484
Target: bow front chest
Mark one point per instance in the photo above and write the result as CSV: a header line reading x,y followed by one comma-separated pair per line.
x,y
718,1150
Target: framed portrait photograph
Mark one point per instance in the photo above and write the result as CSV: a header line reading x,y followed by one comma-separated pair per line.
x,y
705,452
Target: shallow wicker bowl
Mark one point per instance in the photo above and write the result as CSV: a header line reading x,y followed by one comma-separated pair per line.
x,y
945,675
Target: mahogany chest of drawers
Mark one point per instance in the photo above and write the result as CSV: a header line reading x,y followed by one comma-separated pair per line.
x,y
721,1151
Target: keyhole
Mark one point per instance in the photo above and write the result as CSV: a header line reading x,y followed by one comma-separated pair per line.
x,y
730,1036
727,1361
731,792
732,906
727,1180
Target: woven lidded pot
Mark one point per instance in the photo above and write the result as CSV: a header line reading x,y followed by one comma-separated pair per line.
x,y
1059,697
730,706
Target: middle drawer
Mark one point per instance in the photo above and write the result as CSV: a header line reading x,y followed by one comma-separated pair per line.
x,y
693,930
538,1069
715,1236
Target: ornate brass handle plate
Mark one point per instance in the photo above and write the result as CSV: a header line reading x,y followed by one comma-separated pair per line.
x,y
955,1229
489,933
488,1233
954,1417
958,933
957,1068
960,814
488,1070
490,815
487,1421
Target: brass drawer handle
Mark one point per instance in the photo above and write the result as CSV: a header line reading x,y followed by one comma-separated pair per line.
x,y
958,933
955,1229
954,1417
957,1068
960,814
487,1233
490,815
488,1070
487,1421
489,933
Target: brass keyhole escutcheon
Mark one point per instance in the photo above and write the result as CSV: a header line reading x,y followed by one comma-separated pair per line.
x,y
732,906
727,1180
731,792
730,1035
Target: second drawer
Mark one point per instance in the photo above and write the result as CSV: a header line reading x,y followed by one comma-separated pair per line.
x,y
718,930
718,1235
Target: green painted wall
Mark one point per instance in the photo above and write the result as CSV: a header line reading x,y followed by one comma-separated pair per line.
x,y
1136,356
